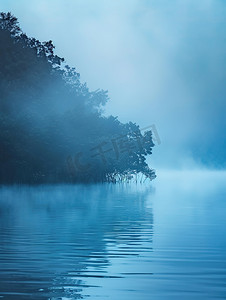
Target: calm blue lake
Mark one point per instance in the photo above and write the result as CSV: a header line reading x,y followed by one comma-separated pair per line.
x,y
159,240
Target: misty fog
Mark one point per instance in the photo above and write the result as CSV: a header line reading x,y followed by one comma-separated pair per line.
x,y
161,61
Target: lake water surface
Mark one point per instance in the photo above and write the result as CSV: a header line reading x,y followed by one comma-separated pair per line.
x,y
159,240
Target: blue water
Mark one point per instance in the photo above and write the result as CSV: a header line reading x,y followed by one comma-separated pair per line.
x,y
164,240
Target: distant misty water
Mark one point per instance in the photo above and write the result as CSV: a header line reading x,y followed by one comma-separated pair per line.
x,y
159,240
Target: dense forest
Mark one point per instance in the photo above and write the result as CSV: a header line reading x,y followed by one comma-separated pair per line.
x,y
52,127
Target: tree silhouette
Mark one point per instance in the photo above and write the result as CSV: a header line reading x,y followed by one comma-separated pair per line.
x,y
52,127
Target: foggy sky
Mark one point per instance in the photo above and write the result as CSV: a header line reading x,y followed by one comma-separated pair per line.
x,y
162,61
